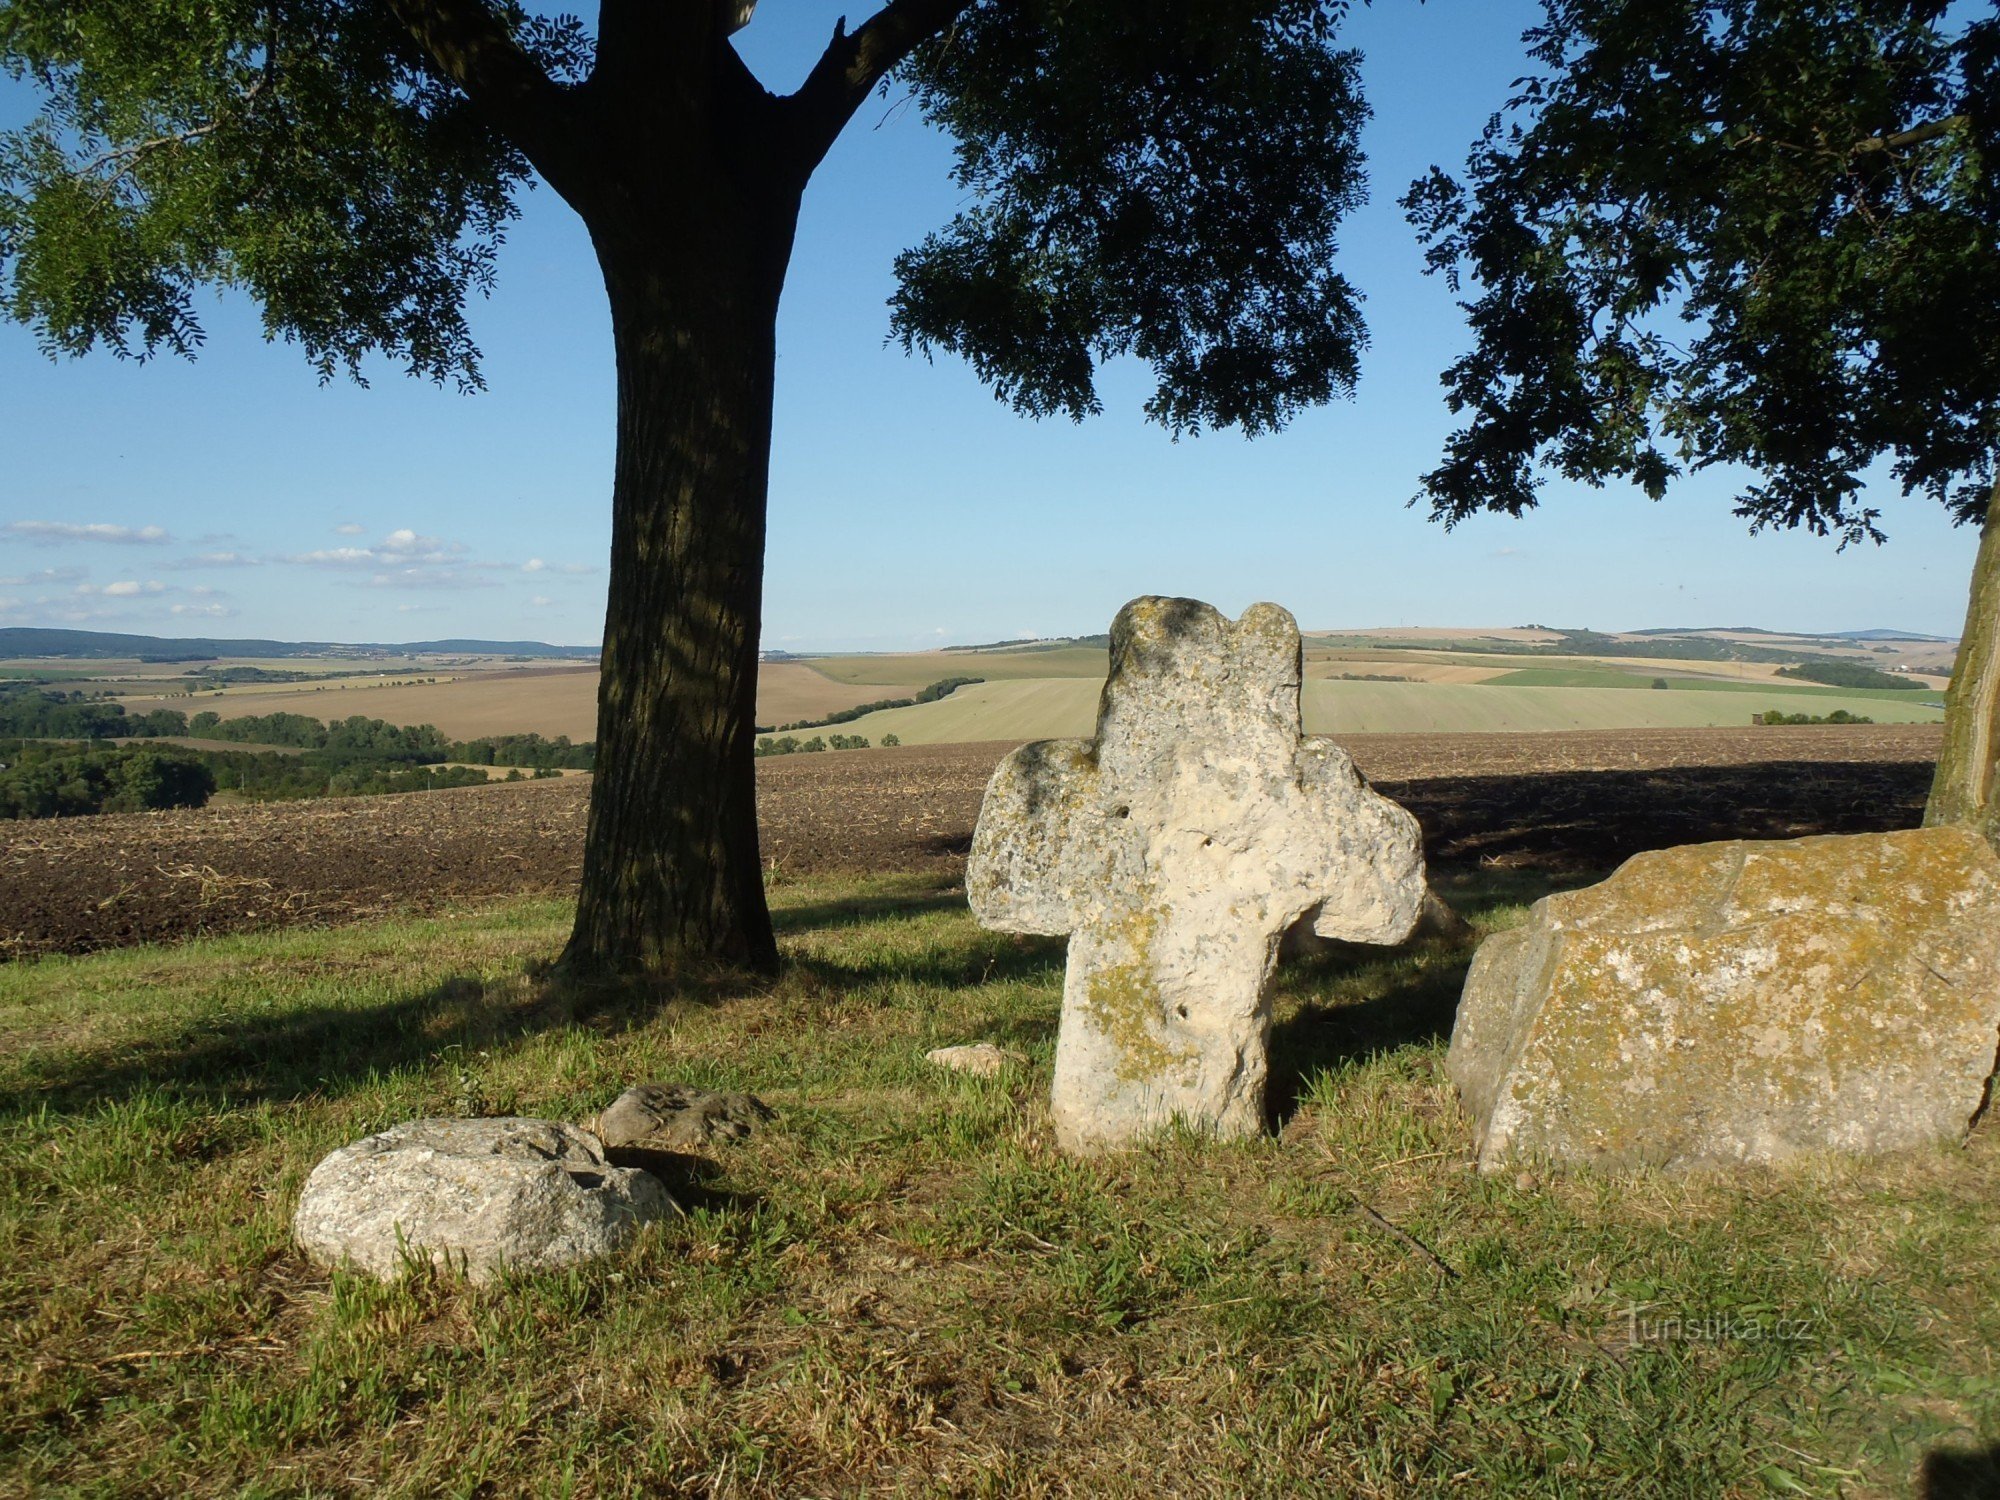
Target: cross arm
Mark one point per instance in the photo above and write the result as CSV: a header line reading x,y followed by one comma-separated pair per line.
x,y
1029,858
1372,884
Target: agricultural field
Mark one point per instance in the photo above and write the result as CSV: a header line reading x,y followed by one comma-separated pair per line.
x,y
1038,709
1387,681
1569,805
545,700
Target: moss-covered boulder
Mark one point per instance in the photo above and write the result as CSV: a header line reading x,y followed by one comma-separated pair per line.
x,y
1741,1002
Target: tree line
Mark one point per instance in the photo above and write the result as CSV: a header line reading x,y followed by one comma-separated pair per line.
x,y
45,772
42,714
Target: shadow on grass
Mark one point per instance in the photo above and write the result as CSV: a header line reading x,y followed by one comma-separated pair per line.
x,y
1415,989
325,1049
1323,1037
1960,1474
855,911
240,1057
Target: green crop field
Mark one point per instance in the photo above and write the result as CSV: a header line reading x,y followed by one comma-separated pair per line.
x,y
921,668
1039,709
1611,677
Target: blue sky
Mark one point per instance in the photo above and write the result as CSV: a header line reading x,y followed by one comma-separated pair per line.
x,y
235,496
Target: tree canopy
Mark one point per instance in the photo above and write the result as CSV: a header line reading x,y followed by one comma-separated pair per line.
x,y
1755,232
1161,181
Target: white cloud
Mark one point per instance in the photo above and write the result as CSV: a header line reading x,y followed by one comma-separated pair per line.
x,y
533,565
213,560
96,531
213,611
404,547
540,601
333,557
203,591
42,576
128,588
428,578
348,528
573,569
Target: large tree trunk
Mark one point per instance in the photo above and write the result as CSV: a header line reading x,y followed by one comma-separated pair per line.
x,y
1963,789
672,879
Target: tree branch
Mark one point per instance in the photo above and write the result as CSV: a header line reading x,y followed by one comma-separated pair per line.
x,y
469,46
1915,136
854,63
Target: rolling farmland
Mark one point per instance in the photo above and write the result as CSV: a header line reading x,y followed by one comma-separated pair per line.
x,y
1414,681
1048,708
544,700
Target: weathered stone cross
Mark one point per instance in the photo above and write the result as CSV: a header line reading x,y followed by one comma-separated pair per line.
x,y
1175,850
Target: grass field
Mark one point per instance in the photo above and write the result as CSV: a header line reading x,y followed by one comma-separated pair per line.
x,y
899,1286
1068,706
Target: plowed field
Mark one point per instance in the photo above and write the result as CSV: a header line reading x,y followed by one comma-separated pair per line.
x,y
1571,805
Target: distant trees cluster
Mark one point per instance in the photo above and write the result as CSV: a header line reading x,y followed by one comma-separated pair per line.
x,y
793,745
65,781
1838,716
1850,674
357,756
41,714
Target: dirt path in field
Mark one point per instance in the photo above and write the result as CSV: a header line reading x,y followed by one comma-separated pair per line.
x,y
1571,805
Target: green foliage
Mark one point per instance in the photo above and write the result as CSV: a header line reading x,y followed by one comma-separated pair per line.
x,y
67,781
299,152
1759,232
791,744
891,741
1850,674
56,715
1838,716
1160,180
525,750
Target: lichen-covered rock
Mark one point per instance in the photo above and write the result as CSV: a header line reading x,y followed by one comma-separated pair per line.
x,y
981,1059
472,1195
1175,849
1741,1002
674,1117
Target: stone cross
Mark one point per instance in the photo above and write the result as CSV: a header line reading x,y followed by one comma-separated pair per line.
x,y
1174,850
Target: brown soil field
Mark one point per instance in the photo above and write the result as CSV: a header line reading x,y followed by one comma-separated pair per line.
x,y
539,700
1569,806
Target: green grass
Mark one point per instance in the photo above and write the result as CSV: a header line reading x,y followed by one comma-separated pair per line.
x,y
899,1286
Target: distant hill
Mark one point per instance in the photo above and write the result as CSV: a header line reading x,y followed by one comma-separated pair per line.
x,y
16,641
1803,635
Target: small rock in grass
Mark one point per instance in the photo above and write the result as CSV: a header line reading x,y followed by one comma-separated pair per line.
x,y
981,1059
673,1117
472,1195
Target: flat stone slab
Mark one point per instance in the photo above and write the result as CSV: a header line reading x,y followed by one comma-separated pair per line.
x,y
1741,1002
981,1059
474,1196
1175,849
674,1117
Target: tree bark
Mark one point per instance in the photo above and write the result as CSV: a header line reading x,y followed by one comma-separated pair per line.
x,y
1962,792
672,878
